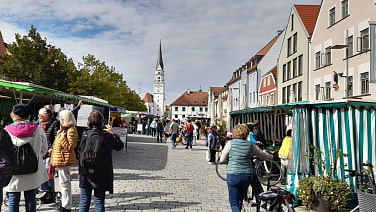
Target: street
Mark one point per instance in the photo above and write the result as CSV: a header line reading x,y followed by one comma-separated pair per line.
x,y
154,177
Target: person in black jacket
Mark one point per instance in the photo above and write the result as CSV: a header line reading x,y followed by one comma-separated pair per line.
x,y
50,126
7,157
113,142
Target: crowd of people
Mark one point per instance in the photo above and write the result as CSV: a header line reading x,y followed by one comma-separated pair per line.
x,y
54,141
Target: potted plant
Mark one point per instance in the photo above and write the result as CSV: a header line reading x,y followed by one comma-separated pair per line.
x,y
324,192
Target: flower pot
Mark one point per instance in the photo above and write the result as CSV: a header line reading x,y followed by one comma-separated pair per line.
x,y
319,205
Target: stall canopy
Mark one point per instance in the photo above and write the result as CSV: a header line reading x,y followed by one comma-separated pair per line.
x,y
126,115
347,125
23,92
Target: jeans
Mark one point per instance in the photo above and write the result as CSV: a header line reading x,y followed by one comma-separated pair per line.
x,y
50,184
189,140
65,186
237,189
159,136
173,139
14,201
85,199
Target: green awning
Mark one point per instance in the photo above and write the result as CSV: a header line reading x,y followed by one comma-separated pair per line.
x,y
126,115
35,93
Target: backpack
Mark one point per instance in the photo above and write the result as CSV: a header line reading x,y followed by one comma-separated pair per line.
x,y
7,158
26,160
190,128
93,157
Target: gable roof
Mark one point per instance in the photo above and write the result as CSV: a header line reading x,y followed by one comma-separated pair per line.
x,y
217,89
267,47
2,45
308,14
192,98
148,97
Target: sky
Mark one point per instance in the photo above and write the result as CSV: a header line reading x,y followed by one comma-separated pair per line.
x,y
203,41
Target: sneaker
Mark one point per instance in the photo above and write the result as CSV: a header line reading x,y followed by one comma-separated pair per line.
x,y
48,198
211,163
62,209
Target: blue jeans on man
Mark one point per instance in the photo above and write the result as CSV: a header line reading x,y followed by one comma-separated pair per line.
x,y
237,189
173,139
30,201
189,140
85,199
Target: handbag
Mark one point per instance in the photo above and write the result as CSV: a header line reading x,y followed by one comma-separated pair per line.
x,y
208,155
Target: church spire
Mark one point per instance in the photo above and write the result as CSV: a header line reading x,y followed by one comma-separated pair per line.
x,y
160,60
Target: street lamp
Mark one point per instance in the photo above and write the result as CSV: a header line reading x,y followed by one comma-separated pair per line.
x,y
341,46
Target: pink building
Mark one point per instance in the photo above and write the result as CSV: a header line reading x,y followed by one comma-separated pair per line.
x,y
343,25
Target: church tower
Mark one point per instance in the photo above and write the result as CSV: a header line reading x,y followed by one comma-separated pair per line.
x,y
159,86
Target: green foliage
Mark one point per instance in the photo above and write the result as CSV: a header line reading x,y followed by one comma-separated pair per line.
x,y
95,78
32,60
335,193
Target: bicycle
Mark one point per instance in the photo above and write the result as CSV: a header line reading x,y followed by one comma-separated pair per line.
x,y
269,174
365,187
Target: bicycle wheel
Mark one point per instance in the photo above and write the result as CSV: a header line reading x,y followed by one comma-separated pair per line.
x,y
220,168
268,172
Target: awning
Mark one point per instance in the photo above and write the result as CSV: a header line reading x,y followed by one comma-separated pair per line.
x,y
126,115
28,92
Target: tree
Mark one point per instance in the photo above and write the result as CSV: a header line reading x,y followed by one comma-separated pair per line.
x,y
31,59
95,78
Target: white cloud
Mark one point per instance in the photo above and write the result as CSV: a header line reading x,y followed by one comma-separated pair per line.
x,y
203,41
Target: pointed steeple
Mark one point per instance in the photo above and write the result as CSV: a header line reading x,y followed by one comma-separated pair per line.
x,y
160,60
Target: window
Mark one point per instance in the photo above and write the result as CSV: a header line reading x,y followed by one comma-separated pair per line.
x,y
283,95
300,65
300,91
292,22
295,44
318,59
272,99
201,109
288,93
206,109
176,116
364,83
264,83
284,73
288,71
317,91
327,91
176,109
332,16
349,86
328,56
183,108
293,93
350,43
363,41
294,67
193,108
289,47
183,116
345,8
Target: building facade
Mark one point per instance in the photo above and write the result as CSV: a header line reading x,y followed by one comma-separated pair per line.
x,y
343,51
293,62
190,105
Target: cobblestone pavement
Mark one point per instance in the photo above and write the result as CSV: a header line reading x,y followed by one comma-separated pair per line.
x,y
155,177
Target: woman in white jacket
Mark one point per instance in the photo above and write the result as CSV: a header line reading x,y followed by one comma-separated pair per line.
x,y
23,131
